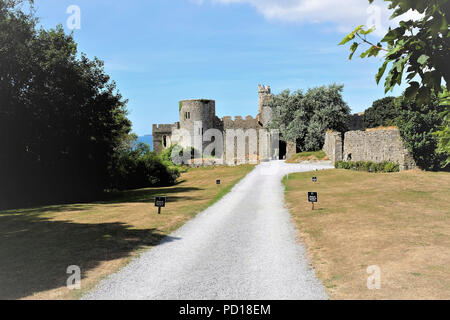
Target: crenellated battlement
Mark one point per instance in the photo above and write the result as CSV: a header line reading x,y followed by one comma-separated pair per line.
x,y
193,111
240,123
162,128
264,89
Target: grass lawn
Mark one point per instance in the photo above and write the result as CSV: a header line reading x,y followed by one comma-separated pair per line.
x,y
309,155
38,244
397,221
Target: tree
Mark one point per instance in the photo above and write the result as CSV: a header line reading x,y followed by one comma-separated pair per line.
x,y
443,132
285,108
417,50
61,117
383,112
305,118
416,123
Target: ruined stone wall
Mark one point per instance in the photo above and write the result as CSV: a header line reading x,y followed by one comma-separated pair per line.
x,y
376,145
333,146
291,149
160,133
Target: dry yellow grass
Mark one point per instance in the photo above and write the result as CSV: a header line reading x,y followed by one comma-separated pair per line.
x,y
38,244
381,128
399,222
307,156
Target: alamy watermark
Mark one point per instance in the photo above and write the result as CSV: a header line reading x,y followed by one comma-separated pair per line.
x,y
74,280
74,20
374,279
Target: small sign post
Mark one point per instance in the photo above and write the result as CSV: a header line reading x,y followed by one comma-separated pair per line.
x,y
218,181
313,198
314,179
160,202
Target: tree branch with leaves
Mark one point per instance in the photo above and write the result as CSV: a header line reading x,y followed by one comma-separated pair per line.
x,y
417,51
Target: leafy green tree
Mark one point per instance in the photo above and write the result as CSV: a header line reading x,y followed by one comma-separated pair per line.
x,y
304,118
416,124
417,50
383,112
285,107
443,132
61,117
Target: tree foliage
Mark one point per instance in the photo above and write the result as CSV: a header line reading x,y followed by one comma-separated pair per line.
x,y
443,132
383,112
63,123
417,50
304,118
136,166
416,124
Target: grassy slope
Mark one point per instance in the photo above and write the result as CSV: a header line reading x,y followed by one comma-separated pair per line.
x,y
398,221
38,244
310,155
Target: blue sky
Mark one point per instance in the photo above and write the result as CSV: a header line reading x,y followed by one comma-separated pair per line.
x,y
160,51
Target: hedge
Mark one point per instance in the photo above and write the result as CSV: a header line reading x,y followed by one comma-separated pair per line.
x,y
368,166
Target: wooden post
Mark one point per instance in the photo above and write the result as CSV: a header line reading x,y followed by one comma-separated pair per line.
x,y
159,210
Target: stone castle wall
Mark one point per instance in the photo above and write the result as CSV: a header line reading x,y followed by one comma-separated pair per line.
x,y
250,128
264,111
199,110
162,133
333,146
238,123
376,145
259,144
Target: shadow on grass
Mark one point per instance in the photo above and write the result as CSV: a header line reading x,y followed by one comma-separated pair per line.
x,y
148,195
131,196
36,251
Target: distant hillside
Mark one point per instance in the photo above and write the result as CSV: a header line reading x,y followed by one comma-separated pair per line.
x,y
148,139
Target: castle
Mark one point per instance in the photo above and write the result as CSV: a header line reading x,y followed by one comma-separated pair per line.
x,y
250,139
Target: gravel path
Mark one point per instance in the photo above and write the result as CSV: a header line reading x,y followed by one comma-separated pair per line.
x,y
243,247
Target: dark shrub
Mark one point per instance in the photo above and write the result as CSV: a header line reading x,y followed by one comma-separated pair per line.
x,y
138,167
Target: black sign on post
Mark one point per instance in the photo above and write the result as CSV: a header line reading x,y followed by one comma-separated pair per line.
x,y
160,202
314,179
217,181
313,198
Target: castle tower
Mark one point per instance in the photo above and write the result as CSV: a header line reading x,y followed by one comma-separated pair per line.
x,y
264,98
201,110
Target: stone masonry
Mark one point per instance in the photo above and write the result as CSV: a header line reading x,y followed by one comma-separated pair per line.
x,y
259,143
376,145
333,146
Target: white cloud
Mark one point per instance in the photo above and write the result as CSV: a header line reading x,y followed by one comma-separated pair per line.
x,y
344,15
